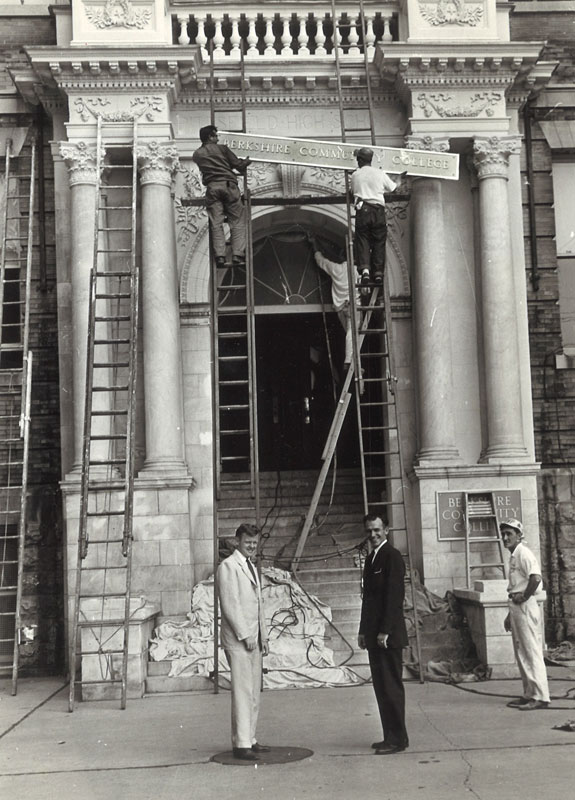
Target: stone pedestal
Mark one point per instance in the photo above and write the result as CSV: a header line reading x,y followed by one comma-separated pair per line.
x,y
96,667
485,608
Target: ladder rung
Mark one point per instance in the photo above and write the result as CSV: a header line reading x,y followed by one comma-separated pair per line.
x,y
237,432
113,296
118,388
100,437
109,462
106,514
239,482
104,541
107,568
113,318
112,413
113,274
223,383
107,596
111,341
111,364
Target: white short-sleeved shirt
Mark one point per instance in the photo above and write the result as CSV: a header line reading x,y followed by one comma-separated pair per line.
x,y
339,279
522,564
369,184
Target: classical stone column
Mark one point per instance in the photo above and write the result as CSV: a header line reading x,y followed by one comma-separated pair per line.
x,y
82,167
501,352
431,312
160,313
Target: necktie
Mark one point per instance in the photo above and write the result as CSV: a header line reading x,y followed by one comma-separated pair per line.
x,y
252,570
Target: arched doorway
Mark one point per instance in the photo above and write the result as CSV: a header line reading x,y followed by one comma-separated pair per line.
x,y
299,351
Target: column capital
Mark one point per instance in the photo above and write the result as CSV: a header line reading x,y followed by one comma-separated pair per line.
x,y
81,160
438,144
491,155
157,162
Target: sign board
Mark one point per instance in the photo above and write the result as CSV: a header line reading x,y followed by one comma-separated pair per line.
x,y
340,155
451,524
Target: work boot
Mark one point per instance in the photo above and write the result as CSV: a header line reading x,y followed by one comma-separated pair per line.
x,y
220,261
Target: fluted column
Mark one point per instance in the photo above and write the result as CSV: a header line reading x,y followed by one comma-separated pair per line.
x,y
431,309
501,351
160,313
81,161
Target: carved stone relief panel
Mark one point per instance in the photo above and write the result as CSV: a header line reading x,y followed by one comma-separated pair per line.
x,y
119,22
453,104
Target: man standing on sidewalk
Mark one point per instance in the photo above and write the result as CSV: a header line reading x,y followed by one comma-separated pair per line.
x,y
223,197
383,633
244,639
524,618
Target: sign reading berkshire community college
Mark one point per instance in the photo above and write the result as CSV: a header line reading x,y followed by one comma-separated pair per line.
x,y
339,155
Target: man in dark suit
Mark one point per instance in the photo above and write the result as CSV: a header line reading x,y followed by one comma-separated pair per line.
x,y
383,633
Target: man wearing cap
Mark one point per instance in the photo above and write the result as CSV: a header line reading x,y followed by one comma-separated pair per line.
x,y
368,186
218,166
524,618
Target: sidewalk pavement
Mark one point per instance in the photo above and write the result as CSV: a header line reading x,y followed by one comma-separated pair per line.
x,y
465,743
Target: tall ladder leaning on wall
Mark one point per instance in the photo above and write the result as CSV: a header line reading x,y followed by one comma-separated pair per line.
x,y
100,618
372,369
18,225
234,394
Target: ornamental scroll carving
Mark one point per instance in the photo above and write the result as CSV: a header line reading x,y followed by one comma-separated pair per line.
x,y
442,104
81,160
491,154
451,12
146,107
158,162
118,14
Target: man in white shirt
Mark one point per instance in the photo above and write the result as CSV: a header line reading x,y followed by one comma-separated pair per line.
x,y
337,271
368,186
524,618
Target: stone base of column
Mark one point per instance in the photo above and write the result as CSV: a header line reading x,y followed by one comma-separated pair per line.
x,y
503,453
438,455
164,469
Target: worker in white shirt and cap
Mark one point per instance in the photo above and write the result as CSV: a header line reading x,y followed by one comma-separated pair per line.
x,y
524,618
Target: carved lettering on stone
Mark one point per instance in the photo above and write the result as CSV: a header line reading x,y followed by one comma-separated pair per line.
x,y
451,12
445,105
118,14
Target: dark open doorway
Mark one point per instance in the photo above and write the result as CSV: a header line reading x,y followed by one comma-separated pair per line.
x,y
298,378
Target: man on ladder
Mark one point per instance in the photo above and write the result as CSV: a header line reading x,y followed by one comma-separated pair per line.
x,y
368,186
223,197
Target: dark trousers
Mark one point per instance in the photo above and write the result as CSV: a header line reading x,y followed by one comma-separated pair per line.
x,y
370,238
386,669
224,199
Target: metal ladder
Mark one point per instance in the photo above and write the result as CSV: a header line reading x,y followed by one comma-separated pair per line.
x,y
234,393
479,508
18,225
379,438
101,611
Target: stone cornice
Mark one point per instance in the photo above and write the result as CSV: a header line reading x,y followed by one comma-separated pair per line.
x,y
499,65
114,68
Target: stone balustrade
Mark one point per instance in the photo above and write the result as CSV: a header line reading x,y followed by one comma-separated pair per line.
x,y
295,31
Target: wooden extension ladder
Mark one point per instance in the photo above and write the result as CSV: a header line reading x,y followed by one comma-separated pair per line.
x,y
18,228
100,618
481,527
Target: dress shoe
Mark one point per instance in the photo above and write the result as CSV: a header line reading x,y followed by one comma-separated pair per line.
x,y
390,749
238,261
377,277
220,261
365,278
519,701
379,745
244,754
260,748
533,705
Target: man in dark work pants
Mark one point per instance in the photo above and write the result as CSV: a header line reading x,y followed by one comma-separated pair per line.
x,y
383,633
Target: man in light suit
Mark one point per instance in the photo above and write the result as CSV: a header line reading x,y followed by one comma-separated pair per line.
x,y
383,633
244,639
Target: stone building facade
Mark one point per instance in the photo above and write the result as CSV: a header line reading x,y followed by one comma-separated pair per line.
x,y
480,268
